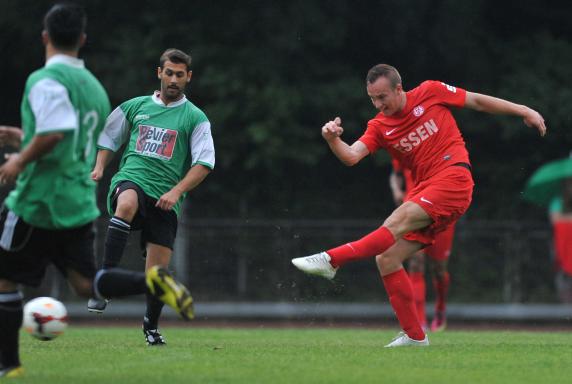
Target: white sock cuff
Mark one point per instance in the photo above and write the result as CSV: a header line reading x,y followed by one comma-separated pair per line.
x,y
7,297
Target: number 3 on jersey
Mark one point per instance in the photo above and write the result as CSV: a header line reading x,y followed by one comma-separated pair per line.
x,y
88,125
90,120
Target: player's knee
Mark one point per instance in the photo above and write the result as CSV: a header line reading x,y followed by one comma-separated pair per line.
x,y
126,209
378,260
387,262
399,223
395,226
406,218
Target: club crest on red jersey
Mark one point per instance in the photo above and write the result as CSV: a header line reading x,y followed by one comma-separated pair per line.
x,y
156,142
418,110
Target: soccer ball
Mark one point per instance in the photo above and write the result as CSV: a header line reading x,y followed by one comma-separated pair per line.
x,y
45,318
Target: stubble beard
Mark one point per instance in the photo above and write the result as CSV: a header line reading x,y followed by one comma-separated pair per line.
x,y
170,96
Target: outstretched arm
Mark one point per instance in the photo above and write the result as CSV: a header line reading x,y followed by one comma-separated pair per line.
x,y
348,154
494,105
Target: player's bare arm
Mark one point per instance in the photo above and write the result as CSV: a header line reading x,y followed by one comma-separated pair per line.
x,y
396,183
11,136
16,162
348,154
104,157
494,105
192,179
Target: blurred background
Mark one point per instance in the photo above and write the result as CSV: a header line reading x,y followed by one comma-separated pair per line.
x,y
268,75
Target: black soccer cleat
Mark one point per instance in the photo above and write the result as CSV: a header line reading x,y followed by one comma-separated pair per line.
x,y
97,305
153,337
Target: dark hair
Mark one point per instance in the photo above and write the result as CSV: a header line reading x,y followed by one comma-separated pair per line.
x,y
65,24
175,56
383,70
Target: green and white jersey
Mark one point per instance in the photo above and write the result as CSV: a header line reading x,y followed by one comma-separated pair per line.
x,y
56,191
163,143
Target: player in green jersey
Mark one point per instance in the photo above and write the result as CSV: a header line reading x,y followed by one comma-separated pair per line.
x,y
169,152
48,216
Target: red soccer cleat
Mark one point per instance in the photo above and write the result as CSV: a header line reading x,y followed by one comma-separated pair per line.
x,y
439,322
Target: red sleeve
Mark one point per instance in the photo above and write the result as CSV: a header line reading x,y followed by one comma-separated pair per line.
x,y
445,93
371,137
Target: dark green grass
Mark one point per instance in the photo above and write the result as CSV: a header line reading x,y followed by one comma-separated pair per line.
x,y
263,355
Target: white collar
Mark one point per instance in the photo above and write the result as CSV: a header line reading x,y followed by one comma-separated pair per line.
x,y
65,59
174,104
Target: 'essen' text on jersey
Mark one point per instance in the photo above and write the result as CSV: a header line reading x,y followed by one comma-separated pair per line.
x,y
416,137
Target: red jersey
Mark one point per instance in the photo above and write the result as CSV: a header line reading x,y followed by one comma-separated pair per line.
x,y
424,136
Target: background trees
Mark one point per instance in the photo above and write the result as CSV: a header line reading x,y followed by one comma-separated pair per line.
x,y
268,74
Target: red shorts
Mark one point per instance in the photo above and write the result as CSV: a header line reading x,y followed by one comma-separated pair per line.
x,y
563,245
444,197
441,248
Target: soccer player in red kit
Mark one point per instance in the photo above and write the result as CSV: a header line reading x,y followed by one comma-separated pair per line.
x,y
418,129
401,181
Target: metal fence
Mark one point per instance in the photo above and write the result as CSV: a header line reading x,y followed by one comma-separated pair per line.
x,y
493,262
226,260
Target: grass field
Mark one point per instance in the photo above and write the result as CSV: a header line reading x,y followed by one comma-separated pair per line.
x,y
307,355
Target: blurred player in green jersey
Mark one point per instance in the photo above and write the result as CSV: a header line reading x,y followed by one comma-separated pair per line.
x,y
48,216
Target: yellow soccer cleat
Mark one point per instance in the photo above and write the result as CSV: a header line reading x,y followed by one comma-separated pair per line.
x,y
12,372
163,285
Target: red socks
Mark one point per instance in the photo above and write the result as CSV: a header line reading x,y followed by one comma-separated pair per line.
x,y
441,289
397,284
400,292
419,290
370,245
